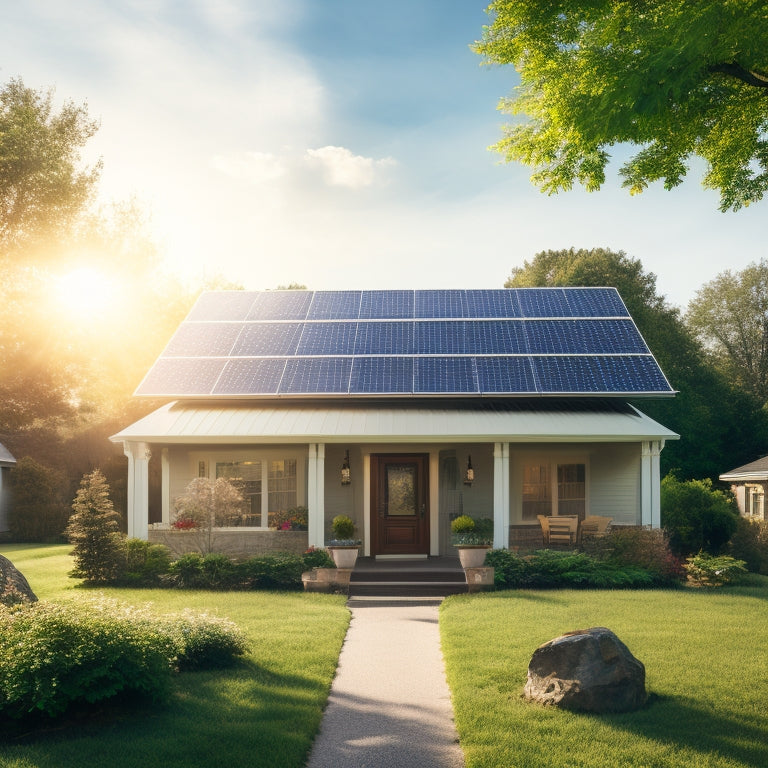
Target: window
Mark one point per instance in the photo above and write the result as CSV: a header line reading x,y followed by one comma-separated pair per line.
x,y
282,486
551,488
245,475
756,501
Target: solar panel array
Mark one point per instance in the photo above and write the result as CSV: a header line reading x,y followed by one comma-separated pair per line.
x,y
506,342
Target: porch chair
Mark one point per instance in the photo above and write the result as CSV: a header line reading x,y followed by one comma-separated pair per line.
x,y
595,526
563,529
544,522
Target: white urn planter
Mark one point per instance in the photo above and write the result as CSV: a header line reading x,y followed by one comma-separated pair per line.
x,y
344,556
472,555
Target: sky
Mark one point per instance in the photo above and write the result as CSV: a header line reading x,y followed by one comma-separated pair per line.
x,y
338,144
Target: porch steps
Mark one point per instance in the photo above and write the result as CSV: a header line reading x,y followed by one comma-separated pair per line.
x,y
432,577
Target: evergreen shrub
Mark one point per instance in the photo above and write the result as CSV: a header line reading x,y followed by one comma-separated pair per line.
x,y
750,544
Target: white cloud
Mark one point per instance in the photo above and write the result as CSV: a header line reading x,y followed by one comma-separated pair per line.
x,y
340,168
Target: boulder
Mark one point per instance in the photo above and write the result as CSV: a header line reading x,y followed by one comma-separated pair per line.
x,y
14,588
589,670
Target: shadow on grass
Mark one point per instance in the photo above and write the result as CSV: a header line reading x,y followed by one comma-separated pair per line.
x,y
243,715
687,724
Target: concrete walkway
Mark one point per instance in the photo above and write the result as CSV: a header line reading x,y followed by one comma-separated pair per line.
x,y
390,706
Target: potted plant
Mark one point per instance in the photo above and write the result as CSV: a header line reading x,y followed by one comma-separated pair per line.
x,y
343,546
473,539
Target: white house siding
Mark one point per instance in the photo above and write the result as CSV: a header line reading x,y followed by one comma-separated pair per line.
x,y
615,482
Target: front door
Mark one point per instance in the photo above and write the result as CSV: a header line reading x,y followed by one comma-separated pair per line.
x,y
399,504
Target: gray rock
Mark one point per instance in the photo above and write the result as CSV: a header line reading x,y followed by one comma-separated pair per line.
x,y
589,670
14,588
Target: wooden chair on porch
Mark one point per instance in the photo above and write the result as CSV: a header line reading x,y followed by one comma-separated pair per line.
x,y
595,526
559,529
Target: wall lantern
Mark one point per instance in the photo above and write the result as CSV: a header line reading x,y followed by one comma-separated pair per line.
x,y
469,475
346,473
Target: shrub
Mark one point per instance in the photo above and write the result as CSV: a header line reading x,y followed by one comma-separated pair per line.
x,y
99,549
462,524
202,641
750,543
278,571
145,563
696,517
468,530
38,512
317,558
215,571
705,570
509,568
54,656
646,548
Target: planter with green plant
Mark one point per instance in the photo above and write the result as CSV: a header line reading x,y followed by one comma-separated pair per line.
x,y
343,546
472,538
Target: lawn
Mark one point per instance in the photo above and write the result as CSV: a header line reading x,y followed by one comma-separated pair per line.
x,y
264,712
706,673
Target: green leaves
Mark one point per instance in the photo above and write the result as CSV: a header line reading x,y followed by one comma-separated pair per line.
x,y
675,79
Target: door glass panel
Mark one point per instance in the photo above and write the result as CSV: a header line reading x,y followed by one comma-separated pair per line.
x,y
401,489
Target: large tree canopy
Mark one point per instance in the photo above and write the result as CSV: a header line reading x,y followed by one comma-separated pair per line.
x,y
720,425
675,78
730,316
43,185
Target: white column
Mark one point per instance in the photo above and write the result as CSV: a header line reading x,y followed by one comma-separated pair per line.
x,y
501,495
166,486
138,489
316,495
650,483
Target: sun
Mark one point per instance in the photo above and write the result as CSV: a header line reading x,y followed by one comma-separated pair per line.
x,y
85,293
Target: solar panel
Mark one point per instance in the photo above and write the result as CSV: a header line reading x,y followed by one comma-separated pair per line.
x,y
250,376
384,338
503,342
382,375
281,305
267,339
222,305
203,340
327,339
378,305
440,375
316,375
335,305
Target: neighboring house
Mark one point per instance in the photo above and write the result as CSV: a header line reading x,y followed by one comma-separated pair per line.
x,y
403,409
7,462
749,484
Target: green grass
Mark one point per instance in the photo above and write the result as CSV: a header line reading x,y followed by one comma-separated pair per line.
x,y
706,673
263,712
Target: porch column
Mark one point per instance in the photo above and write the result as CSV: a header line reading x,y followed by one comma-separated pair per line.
x,y
316,495
501,495
650,483
138,489
165,501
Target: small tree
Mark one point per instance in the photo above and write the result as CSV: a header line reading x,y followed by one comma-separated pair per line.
x,y
696,517
205,505
93,528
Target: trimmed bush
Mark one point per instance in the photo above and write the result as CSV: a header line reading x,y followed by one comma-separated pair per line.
x,y
145,563
215,571
55,656
696,517
317,558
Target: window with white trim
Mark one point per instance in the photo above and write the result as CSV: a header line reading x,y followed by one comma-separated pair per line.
x,y
554,488
756,501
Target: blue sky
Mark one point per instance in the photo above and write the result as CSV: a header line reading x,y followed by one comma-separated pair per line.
x,y
342,144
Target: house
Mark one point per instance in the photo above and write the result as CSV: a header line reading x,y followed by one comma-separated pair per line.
x,y
749,484
403,409
7,462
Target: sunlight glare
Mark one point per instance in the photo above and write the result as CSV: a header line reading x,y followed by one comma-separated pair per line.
x,y
85,293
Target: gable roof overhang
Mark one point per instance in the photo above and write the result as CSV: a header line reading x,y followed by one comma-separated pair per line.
x,y
198,423
756,471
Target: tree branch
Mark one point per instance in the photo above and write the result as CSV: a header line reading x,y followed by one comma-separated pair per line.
x,y
734,69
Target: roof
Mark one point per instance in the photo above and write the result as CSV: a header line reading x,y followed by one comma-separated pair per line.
x,y
6,458
364,422
407,344
756,470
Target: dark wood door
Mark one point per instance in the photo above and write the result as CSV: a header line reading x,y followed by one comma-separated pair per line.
x,y
400,504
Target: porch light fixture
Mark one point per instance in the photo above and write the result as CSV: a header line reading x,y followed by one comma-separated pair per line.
x,y
469,475
346,473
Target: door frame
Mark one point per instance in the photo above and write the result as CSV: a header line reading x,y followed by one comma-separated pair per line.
x,y
377,460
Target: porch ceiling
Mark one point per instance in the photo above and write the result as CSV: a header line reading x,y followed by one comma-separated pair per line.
x,y
198,423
